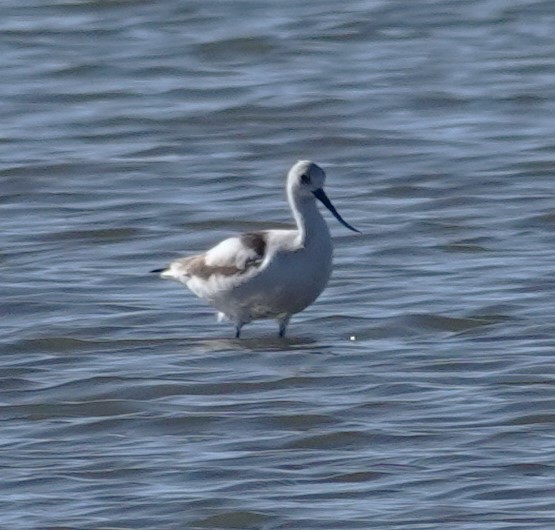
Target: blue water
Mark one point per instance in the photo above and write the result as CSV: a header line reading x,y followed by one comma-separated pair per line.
x,y
416,393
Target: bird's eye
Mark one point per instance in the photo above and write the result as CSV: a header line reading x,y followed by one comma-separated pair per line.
x,y
305,178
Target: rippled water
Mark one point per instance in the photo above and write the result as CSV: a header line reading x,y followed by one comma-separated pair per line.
x,y
417,393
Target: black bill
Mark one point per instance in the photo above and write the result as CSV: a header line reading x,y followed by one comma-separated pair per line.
x,y
320,194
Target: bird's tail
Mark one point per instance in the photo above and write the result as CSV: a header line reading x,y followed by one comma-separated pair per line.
x,y
167,273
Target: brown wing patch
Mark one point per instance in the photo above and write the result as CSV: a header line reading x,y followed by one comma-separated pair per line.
x,y
196,266
255,241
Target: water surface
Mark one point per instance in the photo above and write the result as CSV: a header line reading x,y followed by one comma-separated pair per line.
x,y
417,393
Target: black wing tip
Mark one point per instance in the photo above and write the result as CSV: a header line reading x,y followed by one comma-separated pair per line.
x,y
157,271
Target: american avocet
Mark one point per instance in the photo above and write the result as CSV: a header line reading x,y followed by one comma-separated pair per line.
x,y
272,273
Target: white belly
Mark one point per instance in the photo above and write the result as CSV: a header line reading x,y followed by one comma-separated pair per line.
x,y
288,284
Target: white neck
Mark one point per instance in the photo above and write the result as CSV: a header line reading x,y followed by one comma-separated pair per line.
x,y
310,223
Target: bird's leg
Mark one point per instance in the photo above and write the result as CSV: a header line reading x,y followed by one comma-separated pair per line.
x,y
283,325
238,330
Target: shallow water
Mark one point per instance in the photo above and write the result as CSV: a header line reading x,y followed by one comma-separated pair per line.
x,y
418,392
